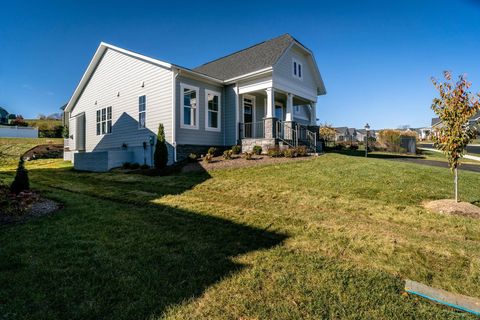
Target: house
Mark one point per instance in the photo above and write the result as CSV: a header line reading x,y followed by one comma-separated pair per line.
x,y
262,95
345,134
473,122
3,116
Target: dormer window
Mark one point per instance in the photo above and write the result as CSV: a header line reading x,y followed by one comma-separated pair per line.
x,y
297,69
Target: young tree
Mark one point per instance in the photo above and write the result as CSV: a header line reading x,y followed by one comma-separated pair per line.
x,y
326,132
21,182
161,152
19,121
455,106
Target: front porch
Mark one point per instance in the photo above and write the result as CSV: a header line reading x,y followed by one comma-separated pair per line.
x,y
274,118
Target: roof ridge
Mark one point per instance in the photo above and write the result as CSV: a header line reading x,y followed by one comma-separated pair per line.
x,y
244,49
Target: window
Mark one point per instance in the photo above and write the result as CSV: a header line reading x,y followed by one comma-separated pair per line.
x,y
212,114
189,108
297,69
142,104
104,121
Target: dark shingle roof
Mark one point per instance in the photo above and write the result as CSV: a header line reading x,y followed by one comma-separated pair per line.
x,y
254,58
435,121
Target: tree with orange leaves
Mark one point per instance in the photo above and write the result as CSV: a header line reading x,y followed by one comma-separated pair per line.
x,y
455,106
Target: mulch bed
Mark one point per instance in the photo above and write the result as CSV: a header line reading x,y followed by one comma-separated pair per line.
x,y
238,162
44,151
449,206
41,207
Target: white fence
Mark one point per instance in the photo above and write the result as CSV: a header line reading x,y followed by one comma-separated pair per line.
x,y
18,132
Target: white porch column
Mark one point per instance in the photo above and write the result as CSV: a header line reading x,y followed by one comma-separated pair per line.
x,y
270,103
313,114
289,114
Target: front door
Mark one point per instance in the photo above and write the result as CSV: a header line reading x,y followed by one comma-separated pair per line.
x,y
279,115
248,105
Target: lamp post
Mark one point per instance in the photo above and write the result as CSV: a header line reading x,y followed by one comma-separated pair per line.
x,y
367,129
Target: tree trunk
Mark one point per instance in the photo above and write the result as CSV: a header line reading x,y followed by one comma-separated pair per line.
x,y
456,185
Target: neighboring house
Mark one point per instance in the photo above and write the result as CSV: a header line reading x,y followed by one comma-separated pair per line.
x,y
3,116
65,116
423,133
345,134
263,95
474,122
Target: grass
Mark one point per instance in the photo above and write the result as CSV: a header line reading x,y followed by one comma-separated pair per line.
x,y
12,148
332,237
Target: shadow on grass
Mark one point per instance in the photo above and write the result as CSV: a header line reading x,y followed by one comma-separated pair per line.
x,y
378,155
111,253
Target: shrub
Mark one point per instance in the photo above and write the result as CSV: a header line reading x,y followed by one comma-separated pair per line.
x,y
289,153
227,154
248,155
160,156
274,152
144,166
301,151
126,165
212,151
134,166
192,157
208,157
236,149
257,150
21,182
353,147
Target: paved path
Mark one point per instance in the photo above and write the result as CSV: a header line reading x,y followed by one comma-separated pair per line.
x,y
471,148
467,156
442,164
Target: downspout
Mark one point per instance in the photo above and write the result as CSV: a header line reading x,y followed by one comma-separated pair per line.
x,y
174,113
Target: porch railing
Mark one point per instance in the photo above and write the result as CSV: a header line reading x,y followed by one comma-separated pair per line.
x,y
252,130
292,134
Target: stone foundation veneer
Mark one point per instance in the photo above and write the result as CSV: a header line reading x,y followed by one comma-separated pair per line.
x,y
265,143
270,127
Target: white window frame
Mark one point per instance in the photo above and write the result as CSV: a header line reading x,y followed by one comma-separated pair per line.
x,y
104,122
144,112
184,86
295,69
219,112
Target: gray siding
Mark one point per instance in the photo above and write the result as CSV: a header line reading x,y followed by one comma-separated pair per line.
x,y
117,82
199,136
230,121
283,69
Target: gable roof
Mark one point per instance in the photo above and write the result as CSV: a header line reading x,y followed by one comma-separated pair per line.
x,y
97,57
254,58
241,63
3,112
435,121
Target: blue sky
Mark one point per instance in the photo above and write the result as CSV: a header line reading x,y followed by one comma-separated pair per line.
x,y
376,57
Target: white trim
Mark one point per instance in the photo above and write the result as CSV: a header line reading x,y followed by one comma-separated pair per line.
x,y
145,111
237,113
197,113
174,113
219,112
248,75
254,107
296,69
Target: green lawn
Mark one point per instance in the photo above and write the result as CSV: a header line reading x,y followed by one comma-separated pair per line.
x,y
12,148
331,237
